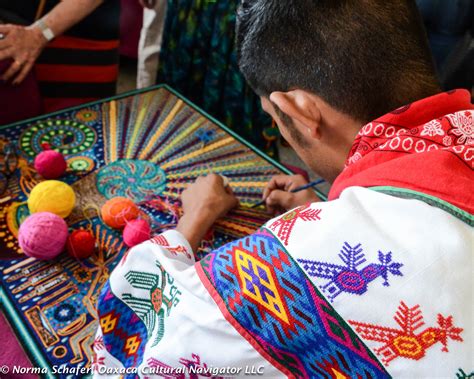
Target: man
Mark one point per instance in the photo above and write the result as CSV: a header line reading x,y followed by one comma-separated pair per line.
x,y
377,281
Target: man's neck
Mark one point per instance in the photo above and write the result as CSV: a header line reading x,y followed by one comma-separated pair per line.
x,y
341,133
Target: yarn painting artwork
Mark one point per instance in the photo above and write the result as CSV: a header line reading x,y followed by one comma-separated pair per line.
x,y
128,160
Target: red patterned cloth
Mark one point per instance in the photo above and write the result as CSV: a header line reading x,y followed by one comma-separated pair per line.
x,y
426,146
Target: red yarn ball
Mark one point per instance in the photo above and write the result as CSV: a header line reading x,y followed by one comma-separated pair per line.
x,y
136,232
80,244
50,164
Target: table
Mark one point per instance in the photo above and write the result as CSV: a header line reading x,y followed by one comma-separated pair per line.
x,y
145,145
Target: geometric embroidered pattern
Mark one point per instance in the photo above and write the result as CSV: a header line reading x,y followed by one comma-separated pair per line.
x,y
350,277
152,310
408,341
286,222
258,283
123,334
268,298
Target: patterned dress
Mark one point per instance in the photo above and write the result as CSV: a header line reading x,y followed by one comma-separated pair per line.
x,y
373,284
198,59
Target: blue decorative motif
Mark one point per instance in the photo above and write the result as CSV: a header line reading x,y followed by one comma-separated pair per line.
x,y
350,277
205,136
64,312
263,291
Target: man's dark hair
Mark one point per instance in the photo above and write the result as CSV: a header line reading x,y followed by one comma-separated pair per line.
x,y
363,57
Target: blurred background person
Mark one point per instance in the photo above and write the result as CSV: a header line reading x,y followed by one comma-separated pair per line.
x,y
151,35
72,45
450,28
198,58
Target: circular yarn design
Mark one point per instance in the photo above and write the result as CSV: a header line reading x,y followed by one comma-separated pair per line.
x,y
131,178
81,163
65,136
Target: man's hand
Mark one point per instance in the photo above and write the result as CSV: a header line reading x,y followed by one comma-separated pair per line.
x,y
203,203
278,197
23,45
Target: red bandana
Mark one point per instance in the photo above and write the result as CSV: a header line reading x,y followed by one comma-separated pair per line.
x,y
426,146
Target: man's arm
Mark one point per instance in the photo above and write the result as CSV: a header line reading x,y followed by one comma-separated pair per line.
x,y
203,203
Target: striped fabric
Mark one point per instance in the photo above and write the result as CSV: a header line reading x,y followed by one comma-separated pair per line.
x,y
74,70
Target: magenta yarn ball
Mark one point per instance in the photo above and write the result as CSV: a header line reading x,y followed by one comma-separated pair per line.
x,y
50,164
136,232
43,235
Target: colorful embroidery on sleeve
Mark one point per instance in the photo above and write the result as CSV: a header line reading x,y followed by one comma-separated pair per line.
x,y
152,310
285,223
268,298
175,250
406,342
350,277
124,334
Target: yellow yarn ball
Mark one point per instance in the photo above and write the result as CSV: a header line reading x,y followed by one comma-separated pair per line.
x,y
52,196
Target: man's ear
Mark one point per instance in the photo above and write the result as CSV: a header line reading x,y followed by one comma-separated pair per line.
x,y
301,106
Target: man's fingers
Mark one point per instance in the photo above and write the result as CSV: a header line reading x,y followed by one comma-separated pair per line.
x,y
236,201
12,70
277,182
283,182
278,198
229,190
199,179
216,178
22,75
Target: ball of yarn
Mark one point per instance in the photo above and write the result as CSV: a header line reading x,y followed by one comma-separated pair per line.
x,y
80,244
52,196
136,232
50,164
117,211
43,235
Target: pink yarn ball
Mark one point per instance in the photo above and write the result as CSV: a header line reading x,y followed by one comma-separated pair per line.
x,y
43,235
136,232
50,164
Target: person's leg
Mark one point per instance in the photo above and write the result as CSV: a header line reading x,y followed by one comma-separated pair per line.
x,y
150,44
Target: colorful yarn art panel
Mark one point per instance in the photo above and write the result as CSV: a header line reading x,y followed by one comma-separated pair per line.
x,y
146,146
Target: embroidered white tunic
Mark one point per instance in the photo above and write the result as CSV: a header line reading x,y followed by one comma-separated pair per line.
x,y
397,271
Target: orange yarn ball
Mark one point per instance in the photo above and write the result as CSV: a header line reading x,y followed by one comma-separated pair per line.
x,y
80,244
117,211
